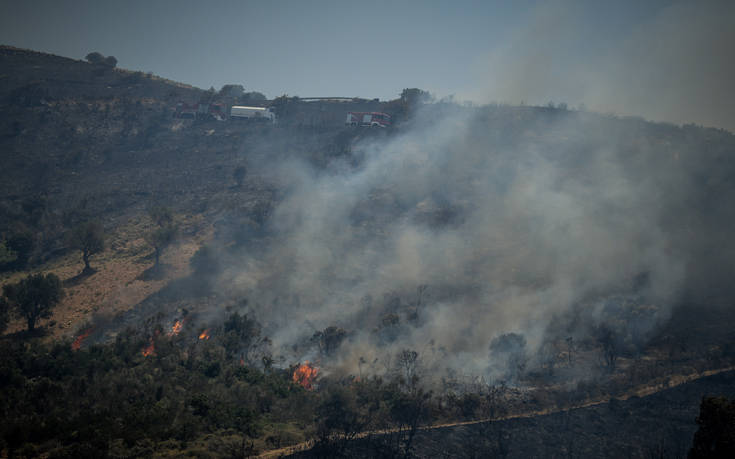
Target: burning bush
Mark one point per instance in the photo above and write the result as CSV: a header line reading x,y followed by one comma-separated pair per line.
x,y
305,375
77,344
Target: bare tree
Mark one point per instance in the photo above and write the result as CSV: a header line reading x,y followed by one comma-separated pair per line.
x,y
407,362
609,346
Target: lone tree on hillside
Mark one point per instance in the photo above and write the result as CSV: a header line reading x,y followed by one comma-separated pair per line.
x,y
89,238
609,342
98,59
253,96
161,215
34,297
164,235
94,58
415,96
232,90
110,61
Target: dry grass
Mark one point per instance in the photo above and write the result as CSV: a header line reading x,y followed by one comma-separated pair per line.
x,y
118,284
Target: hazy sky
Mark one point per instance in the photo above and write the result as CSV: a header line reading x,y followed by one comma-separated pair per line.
x,y
663,60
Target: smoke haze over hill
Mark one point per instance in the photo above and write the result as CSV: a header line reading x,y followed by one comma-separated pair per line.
x,y
673,65
510,225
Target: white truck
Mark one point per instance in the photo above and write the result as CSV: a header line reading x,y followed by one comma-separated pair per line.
x,y
252,113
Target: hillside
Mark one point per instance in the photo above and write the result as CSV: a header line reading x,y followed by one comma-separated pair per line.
x,y
321,280
31,78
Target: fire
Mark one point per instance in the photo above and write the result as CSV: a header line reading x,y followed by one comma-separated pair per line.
x,y
176,328
305,375
150,349
204,334
77,344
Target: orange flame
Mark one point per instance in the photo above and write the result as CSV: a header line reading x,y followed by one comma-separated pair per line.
x,y
77,344
305,375
150,349
176,328
204,334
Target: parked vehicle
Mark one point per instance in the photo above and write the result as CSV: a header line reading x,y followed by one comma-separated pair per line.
x,y
370,119
252,113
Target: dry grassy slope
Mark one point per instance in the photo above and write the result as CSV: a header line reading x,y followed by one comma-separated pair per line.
x,y
94,142
119,284
62,114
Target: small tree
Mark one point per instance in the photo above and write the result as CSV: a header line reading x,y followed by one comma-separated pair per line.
x,y
329,339
110,61
164,235
95,58
340,421
89,238
253,96
232,90
161,215
99,59
242,334
609,343
407,363
34,297
412,97
161,238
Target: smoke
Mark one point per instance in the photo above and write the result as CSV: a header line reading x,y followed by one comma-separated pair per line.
x,y
671,65
467,224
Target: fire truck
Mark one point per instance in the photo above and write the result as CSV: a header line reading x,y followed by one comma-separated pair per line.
x,y
370,119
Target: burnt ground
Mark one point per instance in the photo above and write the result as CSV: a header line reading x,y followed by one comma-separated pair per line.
x,y
659,425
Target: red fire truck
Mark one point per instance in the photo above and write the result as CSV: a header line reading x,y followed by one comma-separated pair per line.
x,y
370,119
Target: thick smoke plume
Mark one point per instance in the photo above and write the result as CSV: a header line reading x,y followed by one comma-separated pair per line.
x,y
469,224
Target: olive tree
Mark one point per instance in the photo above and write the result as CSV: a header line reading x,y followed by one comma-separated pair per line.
x,y
94,58
34,297
165,233
89,238
99,59
160,238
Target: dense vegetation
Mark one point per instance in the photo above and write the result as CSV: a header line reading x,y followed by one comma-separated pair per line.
x,y
187,395
200,397
112,400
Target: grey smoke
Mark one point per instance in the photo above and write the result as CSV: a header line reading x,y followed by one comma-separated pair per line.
x,y
509,223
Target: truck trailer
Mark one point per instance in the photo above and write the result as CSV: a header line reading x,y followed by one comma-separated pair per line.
x,y
252,113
